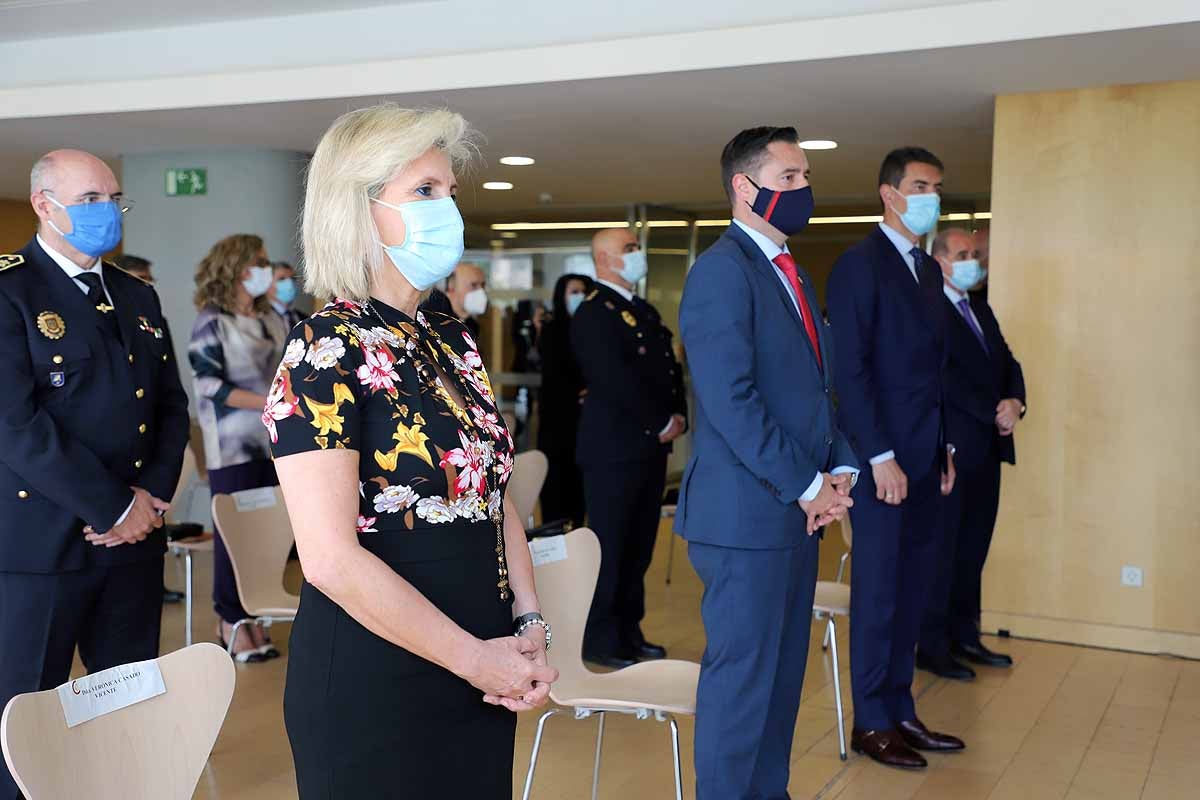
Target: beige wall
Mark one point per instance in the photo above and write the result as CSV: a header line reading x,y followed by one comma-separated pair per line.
x,y
1096,279
17,224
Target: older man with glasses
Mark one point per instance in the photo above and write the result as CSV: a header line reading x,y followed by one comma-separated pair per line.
x,y
93,422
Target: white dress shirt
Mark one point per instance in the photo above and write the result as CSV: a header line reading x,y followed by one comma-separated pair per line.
x,y
73,270
772,251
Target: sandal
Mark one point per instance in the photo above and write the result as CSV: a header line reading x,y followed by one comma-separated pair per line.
x,y
251,656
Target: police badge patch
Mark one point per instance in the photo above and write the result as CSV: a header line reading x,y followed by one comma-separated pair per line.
x,y
57,379
51,325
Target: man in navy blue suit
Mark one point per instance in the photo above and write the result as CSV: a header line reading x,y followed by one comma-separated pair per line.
x,y
985,398
768,470
887,309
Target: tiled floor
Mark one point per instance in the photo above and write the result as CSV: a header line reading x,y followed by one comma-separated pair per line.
x,y
1066,722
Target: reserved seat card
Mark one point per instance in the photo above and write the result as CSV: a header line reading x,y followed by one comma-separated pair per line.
x,y
548,549
104,692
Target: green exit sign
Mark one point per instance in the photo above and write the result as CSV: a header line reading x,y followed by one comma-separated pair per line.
x,y
186,181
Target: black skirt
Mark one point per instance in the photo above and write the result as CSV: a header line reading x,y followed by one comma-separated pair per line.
x,y
369,719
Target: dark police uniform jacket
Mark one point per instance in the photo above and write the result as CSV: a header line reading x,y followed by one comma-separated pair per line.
x,y
83,416
634,383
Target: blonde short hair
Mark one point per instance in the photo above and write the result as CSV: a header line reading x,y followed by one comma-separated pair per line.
x,y
357,156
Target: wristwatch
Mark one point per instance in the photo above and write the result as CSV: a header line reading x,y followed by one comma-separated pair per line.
x,y
526,620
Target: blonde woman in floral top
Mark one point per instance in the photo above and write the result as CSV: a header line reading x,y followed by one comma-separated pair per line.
x,y
404,669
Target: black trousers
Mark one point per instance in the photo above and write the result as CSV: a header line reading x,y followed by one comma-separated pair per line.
x,y
562,494
112,613
952,615
624,503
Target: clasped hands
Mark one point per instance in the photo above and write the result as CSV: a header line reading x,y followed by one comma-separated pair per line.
x,y
144,516
831,503
675,429
1008,414
512,671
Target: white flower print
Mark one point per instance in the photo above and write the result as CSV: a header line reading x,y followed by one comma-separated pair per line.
x,y
294,353
472,355
435,510
470,507
395,498
494,503
379,372
325,352
364,524
488,422
470,462
277,407
371,338
504,467
470,342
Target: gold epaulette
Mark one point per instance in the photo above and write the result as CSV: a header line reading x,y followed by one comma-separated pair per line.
x,y
592,295
9,261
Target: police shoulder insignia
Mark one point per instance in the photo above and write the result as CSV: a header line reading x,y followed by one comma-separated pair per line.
x,y
609,305
630,320
592,294
51,325
10,261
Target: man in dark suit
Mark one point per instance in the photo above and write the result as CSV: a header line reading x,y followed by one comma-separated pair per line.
x,y
93,422
985,398
769,467
634,408
887,310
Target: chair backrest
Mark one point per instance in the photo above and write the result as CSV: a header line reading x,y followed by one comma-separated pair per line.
x,y
152,750
529,474
565,590
847,532
187,477
258,539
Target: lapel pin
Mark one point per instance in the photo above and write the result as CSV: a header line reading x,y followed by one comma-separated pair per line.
x,y
57,379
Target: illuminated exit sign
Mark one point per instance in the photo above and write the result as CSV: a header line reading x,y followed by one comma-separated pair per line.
x,y
186,181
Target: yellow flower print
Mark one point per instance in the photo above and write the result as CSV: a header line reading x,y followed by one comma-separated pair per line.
x,y
408,440
326,416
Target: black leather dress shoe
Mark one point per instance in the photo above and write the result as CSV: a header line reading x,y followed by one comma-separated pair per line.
x,y
613,660
648,651
978,654
918,737
888,748
945,667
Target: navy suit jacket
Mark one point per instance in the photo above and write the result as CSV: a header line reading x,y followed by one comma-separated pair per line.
x,y
764,417
976,381
891,342
82,417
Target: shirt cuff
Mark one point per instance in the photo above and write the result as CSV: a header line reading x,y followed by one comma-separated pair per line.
x,y
842,470
813,489
670,422
128,508
882,457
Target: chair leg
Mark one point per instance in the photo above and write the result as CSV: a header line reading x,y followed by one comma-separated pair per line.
x,y
237,626
670,558
187,591
675,752
596,770
831,633
825,641
533,757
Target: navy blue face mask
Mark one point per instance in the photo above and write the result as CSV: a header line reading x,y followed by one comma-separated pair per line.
x,y
788,211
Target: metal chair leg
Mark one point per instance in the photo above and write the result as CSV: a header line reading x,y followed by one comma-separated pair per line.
x,y
675,752
237,626
533,757
670,558
831,632
596,770
825,641
187,599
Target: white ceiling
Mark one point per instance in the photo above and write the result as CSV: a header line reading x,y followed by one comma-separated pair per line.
x,y
657,138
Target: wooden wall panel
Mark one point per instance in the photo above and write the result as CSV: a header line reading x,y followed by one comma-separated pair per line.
x,y
1096,280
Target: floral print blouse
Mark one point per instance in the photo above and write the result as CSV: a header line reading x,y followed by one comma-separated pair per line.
x,y
361,377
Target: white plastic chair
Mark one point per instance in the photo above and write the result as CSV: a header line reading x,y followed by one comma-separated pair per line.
x,y
529,475
152,750
651,690
832,600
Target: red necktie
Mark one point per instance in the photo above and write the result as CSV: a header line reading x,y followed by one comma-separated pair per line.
x,y
787,265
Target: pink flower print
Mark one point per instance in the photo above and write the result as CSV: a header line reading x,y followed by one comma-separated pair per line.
x,y
379,373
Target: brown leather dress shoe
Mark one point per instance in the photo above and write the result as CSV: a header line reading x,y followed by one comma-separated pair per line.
x,y
918,737
888,748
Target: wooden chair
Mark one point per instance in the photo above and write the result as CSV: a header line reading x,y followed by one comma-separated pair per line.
x,y
152,750
651,690
832,600
529,475
258,541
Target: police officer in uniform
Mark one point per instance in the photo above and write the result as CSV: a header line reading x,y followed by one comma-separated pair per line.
x,y
633,409
93,422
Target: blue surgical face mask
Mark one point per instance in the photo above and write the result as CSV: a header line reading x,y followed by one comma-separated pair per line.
x,y
433,240
259,281
285,291
923,211
966,275
95,227
574,301
635,266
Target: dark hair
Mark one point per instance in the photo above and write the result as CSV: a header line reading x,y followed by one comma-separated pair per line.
x,y
283,265
745,152
131,263
891,171
560,293
438,302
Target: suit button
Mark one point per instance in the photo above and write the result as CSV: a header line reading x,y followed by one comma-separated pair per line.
x,y
647,431
828,440
57,359
139,394
24,495
131,358
142,428
826,390
137,464
164,356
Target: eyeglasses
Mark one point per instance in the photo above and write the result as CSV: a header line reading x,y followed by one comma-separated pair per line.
x,y
125,204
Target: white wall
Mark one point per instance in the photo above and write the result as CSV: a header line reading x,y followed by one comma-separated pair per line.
x,y
257,192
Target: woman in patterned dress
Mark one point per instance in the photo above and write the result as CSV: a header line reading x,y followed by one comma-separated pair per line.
x,y
404,670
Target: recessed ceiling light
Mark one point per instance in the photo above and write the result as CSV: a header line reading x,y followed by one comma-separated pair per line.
x,y
517,161
508,235
498,186
819,144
